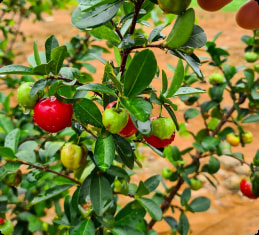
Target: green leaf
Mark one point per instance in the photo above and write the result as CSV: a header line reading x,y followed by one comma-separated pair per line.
x,y
16,69
143,127
171,222
191,113
171,113
51,192
50,44
38,87
123,148
85,227
140,73
132,214
97,88
164,82
96,15
43,69
214,165
12,139
106,33
104,152
177,79
152,208
26,151
69,72
188,91
6,152
36,53
6,124
118,172
142,189
200,204
126,230
156,33
87,112
185,197
58,55
183,224
100,194
32,61
152,183
251,119
138,108
210,143
198,38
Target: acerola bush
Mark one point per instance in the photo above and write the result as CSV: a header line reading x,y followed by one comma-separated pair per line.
x,y
48,161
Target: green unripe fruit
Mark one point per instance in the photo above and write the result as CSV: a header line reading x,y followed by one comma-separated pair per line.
x,y
23,96
166,173
72,156
196,184
251,57
256,68
114,120
174,6
163,127
247,137
216,78
224,148
6,227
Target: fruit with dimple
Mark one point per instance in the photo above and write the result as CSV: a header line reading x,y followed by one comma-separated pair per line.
x,y
216,78
114,120
52,115
23,96
246,188
72,156
251,56
174,6
247,15
196,184
163,132
247,137
212,5
129,129
6,227
233,139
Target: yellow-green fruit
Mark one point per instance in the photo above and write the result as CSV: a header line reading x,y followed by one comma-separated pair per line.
x,y
174,6
72,156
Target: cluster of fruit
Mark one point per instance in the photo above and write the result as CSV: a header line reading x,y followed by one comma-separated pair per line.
x,y
234,140
52,115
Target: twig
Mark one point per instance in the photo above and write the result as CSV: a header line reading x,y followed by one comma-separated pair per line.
x,y
117,30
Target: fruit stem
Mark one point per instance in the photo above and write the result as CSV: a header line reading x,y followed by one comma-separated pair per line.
x,y
160,111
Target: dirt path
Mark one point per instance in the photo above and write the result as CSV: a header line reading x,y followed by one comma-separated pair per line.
x,y
230,214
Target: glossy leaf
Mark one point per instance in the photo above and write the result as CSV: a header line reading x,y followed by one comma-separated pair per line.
x,y
188,91
183,224
140,73
87,112
16,69
36,53
38,87
118,172
26,151
50,44
106,33
152,183
198,38
85,227
104,152
12,140
97,88
6,152
100,194
251,119
200,204
138,108
6,124
58,55
96,15
152,208
126,230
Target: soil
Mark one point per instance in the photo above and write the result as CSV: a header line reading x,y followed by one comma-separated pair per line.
x,y
230,213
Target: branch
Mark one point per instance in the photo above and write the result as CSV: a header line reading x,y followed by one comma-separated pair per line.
x,y
117,30
45,169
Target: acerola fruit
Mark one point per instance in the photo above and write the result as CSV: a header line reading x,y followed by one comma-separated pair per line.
x,y
129,129
72,156
23,96
247,137
196,184
216,78
173,6
224,148
6,227
52,115
256,68
1,221
246,188
163,133
13,179
247,15
166,173
233,139
212,5
251,57
114,120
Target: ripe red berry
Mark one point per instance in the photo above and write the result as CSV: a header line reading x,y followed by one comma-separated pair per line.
x,y
129,129
1,221
246,189
52,115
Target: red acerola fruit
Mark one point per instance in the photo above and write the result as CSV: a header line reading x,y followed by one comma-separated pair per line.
x,y
246,189
129,129
52,115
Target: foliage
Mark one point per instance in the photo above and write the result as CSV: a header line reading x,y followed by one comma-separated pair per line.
x,y
91,193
